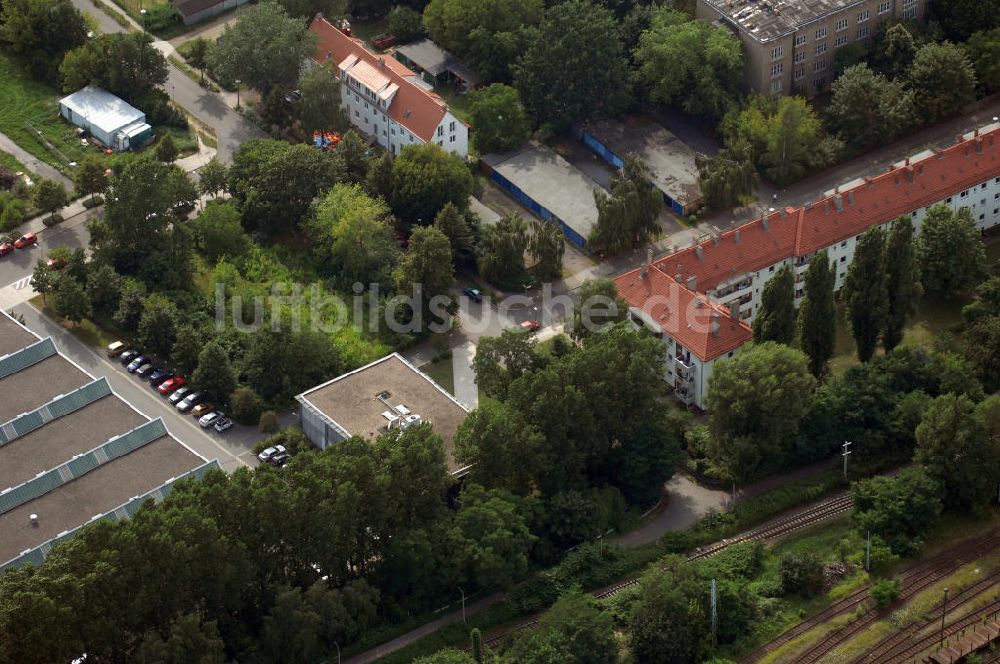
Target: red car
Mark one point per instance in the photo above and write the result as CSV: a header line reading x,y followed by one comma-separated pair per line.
x,y
55,263
26,240
6,248
171,384
531,326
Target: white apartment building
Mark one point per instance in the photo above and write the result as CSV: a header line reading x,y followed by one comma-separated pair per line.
x,y
384,99
729,270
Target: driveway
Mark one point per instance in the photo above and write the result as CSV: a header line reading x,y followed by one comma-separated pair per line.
x,y
33,164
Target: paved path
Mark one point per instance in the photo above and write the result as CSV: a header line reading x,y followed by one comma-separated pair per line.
x,y
686,502
466,390
32,163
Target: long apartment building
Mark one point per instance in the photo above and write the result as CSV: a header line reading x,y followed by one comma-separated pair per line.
x,y
385,99
701,299
790,44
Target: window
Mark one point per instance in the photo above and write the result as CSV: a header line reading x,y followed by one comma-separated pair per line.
x,y
451,139
771,269
841,24
800,40
963,194
948,200
777,68
800,56
821,48
778,53
841,40
863,32
863,16
821,33
820,65
883,7
910,14
440,131
776,85
800,73
356,113
366,106
843,259
451,126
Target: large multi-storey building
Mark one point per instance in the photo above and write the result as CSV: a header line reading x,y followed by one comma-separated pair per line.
x,y
384,99
790,44
693,297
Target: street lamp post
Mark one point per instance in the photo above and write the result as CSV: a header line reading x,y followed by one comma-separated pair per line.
x,y
846,453
237,81
944,609
463,602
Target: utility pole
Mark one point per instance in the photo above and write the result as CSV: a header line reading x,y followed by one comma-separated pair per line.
x,y
715,612
944,608
463,602
846,453
868,553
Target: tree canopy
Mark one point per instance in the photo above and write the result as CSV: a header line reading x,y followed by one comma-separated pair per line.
x,y
865,293
775,319
40,32
952,255
498,118
942,79
455,23
424,179
627,217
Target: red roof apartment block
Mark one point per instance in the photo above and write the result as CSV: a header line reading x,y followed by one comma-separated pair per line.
x,y
799,232
419,110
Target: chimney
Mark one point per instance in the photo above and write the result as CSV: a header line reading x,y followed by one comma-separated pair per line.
x,y
783,213
850,197
764,222
698,303
906,162
909,174
976,132
738,236
699,252
734,310
678,278
692,284
979,145
838,202
715,323
381,61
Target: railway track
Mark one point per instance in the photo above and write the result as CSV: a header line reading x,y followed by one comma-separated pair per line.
x,y
891,643
917,580
773,529
911,650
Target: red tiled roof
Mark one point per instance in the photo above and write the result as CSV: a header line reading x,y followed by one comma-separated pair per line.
x,y
793,232
688,317
413,107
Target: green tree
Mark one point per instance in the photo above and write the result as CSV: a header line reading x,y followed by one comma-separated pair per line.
x,y
575,90
690,64
982,348
158,325
574,631
902,280
272,363
669,621
499,361
245,405
801,573
596,306
130,304
884,592
501,446
447,657
501,251
454,23
427,263
424,179
264,49
186,349
218,232
455,227
378,182
319,107
70,300
191,640
352,150
48,196
89,178
405,23
868,109
983,49
166,151
818,314
43,280
952,255
212,177
953,446
960,18
268,422
498,117
104,289
197,54
125,64
627,217
865,293
275,183
942,79
40,32
898,509
896,51
793,141
775,319
756,404
547,248
729,178
352,237
214,374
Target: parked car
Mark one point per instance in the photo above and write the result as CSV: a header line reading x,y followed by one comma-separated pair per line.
x,y
208,419
223,424
56,263
137,362
171,384
159,376
271,451
26,241
127,356
6,248
474,294
190,401
531,326
279,460
179,394
202,408
116,348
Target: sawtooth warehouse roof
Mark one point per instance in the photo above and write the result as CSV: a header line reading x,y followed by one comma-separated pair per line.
x,y
71,450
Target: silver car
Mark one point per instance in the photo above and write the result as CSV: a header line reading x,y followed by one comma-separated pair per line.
x,y
208,419
190,401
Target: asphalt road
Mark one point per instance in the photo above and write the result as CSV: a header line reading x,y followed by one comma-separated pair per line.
x,y
71,233
232,448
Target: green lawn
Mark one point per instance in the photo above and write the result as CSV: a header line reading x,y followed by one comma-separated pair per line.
x,y
28,107
367,29
10,161
86,331
442,373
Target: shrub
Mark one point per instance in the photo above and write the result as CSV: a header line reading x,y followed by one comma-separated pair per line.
x,y
92,202
245,405
884,592
53,219
801,573
268,422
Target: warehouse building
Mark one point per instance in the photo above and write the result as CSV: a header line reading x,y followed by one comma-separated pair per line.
x,y
108,119
71,451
